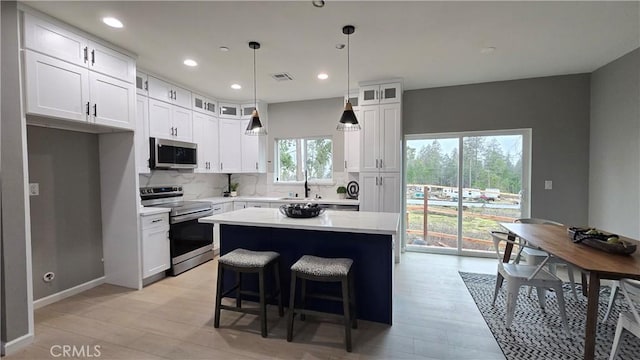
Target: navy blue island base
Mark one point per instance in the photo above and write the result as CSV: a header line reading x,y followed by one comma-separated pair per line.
x,y
372,256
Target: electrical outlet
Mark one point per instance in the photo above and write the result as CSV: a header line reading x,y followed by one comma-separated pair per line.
x,y
34,189
48,276
548,184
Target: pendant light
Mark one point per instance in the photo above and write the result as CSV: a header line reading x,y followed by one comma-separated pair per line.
x,y
348,121
255,126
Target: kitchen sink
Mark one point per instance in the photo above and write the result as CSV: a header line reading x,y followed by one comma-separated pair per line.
x,y
297,198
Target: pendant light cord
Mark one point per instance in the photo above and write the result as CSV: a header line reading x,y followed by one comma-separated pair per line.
x,y
348,62
255,101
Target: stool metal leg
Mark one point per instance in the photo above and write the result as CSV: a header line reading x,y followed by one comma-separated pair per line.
x,y
216,320
292,299
276,272
347,313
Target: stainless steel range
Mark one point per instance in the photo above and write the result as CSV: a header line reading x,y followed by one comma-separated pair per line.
x,y
191,241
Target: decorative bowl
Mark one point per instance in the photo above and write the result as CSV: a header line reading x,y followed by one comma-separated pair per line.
x,y
598,240
301,211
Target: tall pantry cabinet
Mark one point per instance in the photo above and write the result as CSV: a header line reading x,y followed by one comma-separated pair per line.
x,y
381,147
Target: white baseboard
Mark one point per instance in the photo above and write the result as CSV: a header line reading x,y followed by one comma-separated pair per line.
x,y
16,345
67,293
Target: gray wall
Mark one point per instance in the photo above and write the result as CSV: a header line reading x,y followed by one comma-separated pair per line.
x,y
16,319
614,163
66,230
306,118
556,108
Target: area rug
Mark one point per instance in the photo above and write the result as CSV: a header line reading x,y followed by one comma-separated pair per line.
x,y
538,334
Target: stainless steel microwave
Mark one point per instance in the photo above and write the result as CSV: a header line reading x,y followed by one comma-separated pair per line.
x,y
171,154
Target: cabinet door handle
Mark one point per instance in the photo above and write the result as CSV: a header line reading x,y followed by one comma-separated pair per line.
x,y
345,164
88,108
176,131
220,166
95,110
380,180
175,95
93,57
376,181
256,166
86,54
376,163
170,94
172,133
146,85
380,163
156,220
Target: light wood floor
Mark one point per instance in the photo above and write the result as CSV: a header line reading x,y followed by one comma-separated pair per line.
x,y
434,318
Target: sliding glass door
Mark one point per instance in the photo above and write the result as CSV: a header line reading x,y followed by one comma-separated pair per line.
x,y
460,186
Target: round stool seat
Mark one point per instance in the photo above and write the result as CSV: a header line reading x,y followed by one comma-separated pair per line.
x,y
247,258
318,266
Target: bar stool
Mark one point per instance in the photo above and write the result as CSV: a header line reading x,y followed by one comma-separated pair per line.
x,y
244,261
323,270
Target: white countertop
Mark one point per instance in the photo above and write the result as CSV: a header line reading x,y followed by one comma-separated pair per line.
x,y
341,221
152,210
273,199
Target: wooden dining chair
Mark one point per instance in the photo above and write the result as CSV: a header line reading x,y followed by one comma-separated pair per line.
x,y
518,275
630,320
536,256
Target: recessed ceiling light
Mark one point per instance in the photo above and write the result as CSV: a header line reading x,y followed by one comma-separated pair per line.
x,y
323,76
487,50
224,48
236,86
113,22
190,62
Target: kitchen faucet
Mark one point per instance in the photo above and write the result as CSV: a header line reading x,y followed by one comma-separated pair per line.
x,y
306,186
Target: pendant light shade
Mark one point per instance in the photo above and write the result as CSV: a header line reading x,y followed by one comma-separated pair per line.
x,y
255,125
348,120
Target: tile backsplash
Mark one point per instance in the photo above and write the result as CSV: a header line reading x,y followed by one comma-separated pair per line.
x,y
197,185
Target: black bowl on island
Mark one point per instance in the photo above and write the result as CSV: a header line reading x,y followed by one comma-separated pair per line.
x,y
301,211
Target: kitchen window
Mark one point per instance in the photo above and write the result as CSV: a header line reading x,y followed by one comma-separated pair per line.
x,y
295,156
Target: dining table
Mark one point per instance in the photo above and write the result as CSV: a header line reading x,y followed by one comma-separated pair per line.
x,y
595,264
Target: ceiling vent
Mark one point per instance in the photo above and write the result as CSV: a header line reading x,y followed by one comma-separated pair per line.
x,y
282,76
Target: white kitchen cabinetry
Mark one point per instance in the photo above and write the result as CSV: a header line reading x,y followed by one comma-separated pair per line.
x,y
228,206
205,134
64,44
381,138
237,205
155,244
229,110
252,158
142,83
169,121
59,89
247,110
380,94
164,91
204,105
230,145
380,192
257,204
142,134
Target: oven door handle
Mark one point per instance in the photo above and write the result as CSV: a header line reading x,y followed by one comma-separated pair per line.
x,y
192,216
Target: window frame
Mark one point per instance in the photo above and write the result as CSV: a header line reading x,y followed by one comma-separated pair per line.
x,y
301,145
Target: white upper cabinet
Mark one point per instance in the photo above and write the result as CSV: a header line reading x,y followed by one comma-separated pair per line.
x,y
205,134
250,149
168,121
352,147
204,105
380,127
142,83
58,89
353,98
229,145
380,94
141,134
229,110
63,44
247,110
164,91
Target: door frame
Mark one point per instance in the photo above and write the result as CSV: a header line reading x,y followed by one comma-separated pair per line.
x,y
525,199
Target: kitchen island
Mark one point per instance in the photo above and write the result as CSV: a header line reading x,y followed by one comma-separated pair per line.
x,y
366,237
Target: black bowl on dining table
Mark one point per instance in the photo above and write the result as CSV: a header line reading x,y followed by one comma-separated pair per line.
x,y
601,240
301,211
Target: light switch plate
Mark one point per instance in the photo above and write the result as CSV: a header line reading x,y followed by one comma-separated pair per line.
x,y
548,184
34,189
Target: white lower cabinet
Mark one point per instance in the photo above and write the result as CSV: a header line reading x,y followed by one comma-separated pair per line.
x,y
257,204
237,205
380,192
156,255
275,205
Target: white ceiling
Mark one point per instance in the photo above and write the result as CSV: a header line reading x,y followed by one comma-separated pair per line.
x,y
428,44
